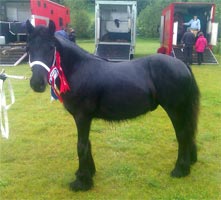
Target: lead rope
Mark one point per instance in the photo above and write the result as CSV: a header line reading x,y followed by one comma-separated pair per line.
x,y
4,123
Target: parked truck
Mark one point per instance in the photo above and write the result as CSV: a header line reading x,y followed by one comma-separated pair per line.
x,y
115,29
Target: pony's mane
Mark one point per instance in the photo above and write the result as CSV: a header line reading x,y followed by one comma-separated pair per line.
x,y
63,45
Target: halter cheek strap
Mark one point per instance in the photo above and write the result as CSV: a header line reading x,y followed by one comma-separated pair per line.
x,y
31,64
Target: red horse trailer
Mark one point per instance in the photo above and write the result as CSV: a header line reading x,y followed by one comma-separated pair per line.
x,y
43,10
172,28
13,15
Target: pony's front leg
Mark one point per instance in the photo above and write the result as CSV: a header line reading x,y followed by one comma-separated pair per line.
x,y
86,163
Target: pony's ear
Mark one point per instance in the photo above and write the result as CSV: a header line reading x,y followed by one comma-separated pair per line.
x,y
29,27
51,27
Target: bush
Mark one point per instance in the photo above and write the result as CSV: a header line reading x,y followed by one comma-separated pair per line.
x,y
81,23
217,48
149,21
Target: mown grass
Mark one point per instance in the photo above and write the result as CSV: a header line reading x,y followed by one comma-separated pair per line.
x,y
133,158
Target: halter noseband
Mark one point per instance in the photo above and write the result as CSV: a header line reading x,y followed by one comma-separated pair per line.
x,y
39,63
31,64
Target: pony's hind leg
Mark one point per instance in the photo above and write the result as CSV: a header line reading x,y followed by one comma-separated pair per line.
x,y
186,147
193,153
184,116
86,168
185,132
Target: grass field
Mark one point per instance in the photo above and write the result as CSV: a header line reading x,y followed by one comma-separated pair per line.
x,y
133,158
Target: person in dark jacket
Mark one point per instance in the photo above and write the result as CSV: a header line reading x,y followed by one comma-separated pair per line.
x,y
188,41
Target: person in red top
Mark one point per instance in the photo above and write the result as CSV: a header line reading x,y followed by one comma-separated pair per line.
x,y
200,46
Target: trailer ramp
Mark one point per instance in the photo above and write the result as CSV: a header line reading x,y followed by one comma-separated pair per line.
x,y
114,52
12,55
208,55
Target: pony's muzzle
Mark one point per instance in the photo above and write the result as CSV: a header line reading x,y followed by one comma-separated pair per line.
x,y
37,87
38,81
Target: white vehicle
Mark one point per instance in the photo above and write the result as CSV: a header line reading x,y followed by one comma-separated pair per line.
x,y
115,29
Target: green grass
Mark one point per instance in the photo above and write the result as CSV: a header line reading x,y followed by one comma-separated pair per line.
x,y
133,158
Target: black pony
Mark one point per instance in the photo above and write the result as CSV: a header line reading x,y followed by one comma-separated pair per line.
x,y
117,91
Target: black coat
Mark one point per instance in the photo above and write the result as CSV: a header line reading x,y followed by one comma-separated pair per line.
x,y
188,39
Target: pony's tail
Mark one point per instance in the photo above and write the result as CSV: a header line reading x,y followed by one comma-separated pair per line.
x,y
192,109
194,103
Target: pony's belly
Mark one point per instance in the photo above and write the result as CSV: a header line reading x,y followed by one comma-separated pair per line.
x,y
125,107
112,115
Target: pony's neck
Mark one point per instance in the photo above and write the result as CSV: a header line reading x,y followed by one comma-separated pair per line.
x,y
72,55
70,52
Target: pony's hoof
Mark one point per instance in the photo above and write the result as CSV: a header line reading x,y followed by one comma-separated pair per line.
x,y
79,185
178,173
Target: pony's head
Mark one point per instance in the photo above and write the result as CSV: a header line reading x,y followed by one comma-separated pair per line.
x,y
41,49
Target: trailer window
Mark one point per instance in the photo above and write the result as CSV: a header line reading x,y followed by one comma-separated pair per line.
x,y
60,22
39,4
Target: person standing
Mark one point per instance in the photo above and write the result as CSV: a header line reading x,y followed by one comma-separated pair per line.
x,y
63,33
72,35
194,24
200,46
188,41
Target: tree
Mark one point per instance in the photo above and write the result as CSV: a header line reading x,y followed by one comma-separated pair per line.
x,y
149,19
82,24
80,19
